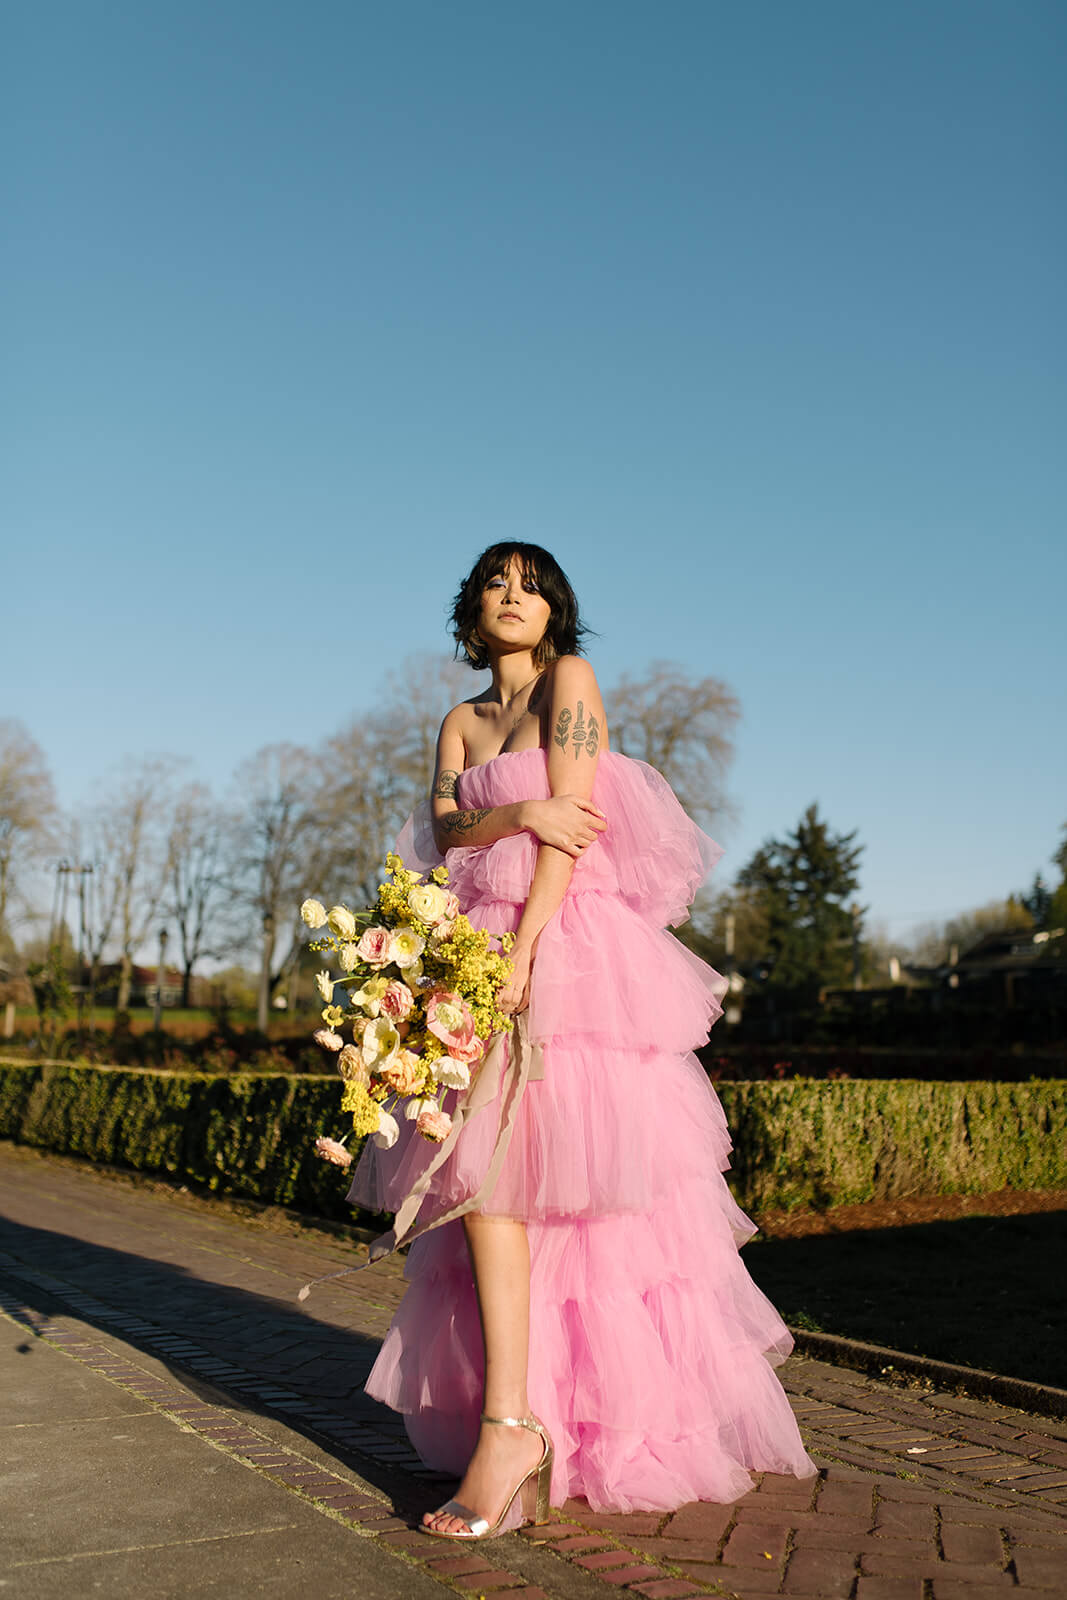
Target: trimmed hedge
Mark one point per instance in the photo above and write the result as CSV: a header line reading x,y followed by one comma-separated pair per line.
x,y
797,1143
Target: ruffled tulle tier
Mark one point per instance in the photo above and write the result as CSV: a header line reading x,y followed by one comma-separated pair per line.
x,y
651,1358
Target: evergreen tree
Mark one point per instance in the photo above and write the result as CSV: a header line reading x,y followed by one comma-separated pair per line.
x,y
800,885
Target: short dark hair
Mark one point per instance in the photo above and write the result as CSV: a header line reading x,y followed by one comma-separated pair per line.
x,y
565,631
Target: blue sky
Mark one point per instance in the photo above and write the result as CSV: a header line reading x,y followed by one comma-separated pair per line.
x,y
752,314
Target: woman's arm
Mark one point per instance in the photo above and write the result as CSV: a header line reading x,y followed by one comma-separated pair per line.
x,y
567,821
578,730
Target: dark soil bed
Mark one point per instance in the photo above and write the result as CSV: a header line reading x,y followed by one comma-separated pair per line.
x,y
972,1279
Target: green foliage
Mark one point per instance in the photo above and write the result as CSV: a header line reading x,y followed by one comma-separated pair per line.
x,y
797,1143
797,887
52,995
801,1143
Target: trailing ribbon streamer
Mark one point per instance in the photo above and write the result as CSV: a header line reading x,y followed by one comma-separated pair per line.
x,y
509,1064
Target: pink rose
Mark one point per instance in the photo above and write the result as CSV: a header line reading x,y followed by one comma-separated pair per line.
x,y
434,1124
397,1001
452,906
327,1038
330,1150
373,947
404,1073
448,1017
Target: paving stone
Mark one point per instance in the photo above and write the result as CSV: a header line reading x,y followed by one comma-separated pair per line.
x,y
889,1589
749,1545
1041,1569
976,1545
907,1520
829,1572
700,1520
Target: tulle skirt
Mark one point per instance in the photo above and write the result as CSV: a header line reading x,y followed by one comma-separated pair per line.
x,y
651,1349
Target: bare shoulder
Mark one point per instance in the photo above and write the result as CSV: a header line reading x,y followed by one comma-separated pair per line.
x,y
574,675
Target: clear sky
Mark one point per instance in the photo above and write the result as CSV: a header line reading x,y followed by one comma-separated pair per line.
x,y
753,314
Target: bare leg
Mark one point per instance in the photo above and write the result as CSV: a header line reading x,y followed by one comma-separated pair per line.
x,y
500,1257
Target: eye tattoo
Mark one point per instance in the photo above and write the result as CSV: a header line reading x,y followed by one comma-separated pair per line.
x,y
578,734
563,723
445,787
464,821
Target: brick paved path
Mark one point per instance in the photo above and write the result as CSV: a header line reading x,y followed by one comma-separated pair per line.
x,y
921,1495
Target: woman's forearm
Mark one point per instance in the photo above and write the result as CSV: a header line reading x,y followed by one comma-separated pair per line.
x,y
484,825
552,875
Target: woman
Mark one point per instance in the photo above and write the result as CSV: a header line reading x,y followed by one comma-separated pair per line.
x,y
598,1278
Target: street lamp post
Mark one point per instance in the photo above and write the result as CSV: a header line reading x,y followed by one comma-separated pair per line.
x,y
159,979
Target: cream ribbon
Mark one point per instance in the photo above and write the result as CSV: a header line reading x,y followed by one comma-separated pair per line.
x,y
509,1064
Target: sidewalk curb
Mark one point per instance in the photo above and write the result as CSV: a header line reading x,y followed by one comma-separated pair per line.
x,y
879,1361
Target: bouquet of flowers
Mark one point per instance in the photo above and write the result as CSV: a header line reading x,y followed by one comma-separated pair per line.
x,y
421,986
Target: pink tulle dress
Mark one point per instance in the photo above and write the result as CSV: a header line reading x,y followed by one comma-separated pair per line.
x,y
651,1349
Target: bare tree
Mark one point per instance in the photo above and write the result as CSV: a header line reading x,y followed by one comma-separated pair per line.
x,y
680,725
277,833
932,944
131,834
197,894
28,812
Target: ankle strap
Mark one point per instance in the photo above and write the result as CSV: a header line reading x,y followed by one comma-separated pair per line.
x,y
530,1422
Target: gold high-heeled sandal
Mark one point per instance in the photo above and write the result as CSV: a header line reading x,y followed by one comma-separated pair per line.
x,y
478,1527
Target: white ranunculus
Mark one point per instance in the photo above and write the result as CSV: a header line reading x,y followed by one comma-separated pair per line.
x,y
452,1073
313,913
387,1132
428,902
348,956
342,922
413,1106
324,984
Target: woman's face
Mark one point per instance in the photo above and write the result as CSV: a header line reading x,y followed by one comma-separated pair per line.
x,y
514,613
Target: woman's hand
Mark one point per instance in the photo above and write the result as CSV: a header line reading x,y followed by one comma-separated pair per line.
x,y
567,821
515,994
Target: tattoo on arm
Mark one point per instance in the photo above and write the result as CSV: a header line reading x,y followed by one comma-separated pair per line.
x,y
563,723
464,821
578,734
445,787
592,744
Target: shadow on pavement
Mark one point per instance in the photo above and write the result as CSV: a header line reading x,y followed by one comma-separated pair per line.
x,y
275,1347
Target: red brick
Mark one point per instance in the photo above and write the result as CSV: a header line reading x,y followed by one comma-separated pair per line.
x,y
751,1544
977,1545
854,1499
1041,1569
409,1539
674,1550
628,1575
582,1543
905,1518
643,1524
604,1558
664,1589
829,1572
700,1521
832,1533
